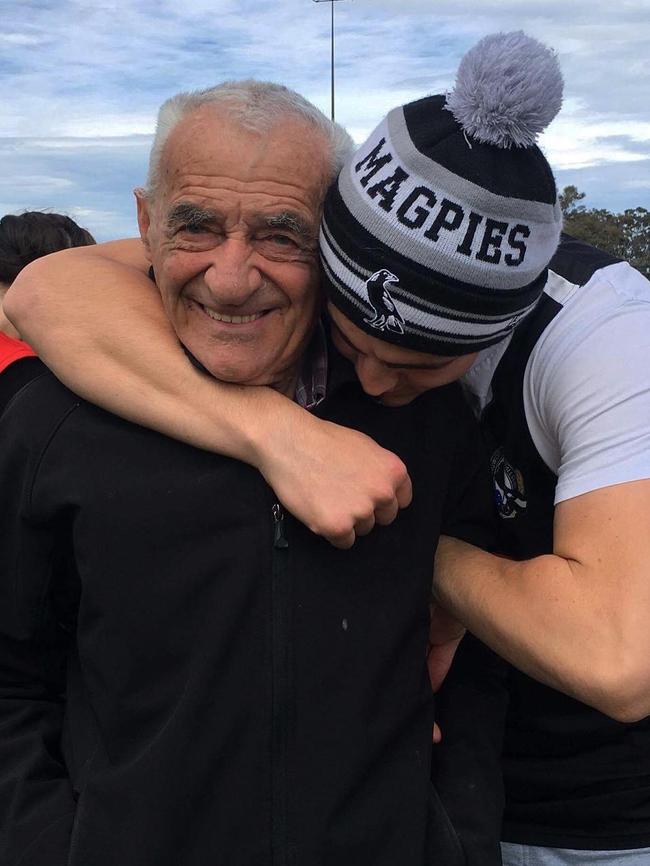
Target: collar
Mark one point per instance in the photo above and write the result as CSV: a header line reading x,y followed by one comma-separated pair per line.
x,y
477,382
312,381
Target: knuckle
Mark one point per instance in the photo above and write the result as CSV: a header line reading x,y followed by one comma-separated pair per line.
x,y
344,542
398,468
386,517
342,528
381,499
365,526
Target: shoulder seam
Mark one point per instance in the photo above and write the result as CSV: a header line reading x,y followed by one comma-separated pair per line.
x,y
45,448
48,437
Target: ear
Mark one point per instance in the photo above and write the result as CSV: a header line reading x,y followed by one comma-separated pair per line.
x,y
144,206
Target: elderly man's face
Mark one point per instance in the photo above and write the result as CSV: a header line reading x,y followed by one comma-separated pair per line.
x,y
232,235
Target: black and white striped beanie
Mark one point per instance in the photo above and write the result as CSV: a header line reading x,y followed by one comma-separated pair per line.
x,y
438,233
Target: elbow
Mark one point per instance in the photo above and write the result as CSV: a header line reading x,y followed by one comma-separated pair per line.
x,y
11,305
627,707
21,297
623,691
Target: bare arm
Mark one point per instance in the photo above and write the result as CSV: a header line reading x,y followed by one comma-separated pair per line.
x,y
96,319
577,619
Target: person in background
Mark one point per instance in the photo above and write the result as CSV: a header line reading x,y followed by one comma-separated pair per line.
x,y
23,238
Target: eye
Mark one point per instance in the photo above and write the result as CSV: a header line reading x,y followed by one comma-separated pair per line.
x,y
195,229
281,246
281,240
197,235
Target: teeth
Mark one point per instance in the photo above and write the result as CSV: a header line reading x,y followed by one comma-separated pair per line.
x,y
233,320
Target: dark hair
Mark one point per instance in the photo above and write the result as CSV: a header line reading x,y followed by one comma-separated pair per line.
x,y
30,235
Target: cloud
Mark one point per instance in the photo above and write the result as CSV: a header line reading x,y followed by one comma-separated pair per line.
x,y
640,183
22,39
576,143
31,184
82,79
91,177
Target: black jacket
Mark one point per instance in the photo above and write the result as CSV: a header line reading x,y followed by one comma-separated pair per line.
x,y
188,676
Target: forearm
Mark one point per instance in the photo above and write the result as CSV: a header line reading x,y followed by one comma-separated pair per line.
x,y
117,349
551,617
105,334
509,605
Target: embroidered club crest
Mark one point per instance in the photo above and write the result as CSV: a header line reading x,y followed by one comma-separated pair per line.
x,y
387,317
509,490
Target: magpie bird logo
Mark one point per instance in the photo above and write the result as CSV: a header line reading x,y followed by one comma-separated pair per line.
x,y
387,317
509,489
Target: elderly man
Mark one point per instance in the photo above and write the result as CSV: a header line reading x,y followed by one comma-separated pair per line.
x,y
565,405
236,689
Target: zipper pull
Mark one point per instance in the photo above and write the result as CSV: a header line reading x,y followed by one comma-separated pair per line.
x,y
279,538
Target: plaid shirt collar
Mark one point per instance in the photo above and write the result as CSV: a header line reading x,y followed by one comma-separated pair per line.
x,y
312,381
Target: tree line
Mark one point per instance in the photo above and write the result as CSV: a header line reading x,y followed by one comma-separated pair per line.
x,y
625,235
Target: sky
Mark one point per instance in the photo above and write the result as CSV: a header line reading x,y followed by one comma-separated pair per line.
x,y
83,79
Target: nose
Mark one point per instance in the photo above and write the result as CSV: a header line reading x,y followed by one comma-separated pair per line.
x,y
232,276
376,379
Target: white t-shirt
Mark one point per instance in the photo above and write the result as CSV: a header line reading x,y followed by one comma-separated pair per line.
x,y
587,382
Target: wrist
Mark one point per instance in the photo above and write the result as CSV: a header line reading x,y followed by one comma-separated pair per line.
x,y
266,427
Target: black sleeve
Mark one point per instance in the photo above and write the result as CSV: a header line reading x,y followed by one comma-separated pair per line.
x,y
36,798
470,709
469,512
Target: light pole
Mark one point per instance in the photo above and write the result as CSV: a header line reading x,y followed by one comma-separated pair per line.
x,y
332,2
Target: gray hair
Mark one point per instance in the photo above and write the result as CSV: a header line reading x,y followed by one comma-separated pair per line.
x,y
255,105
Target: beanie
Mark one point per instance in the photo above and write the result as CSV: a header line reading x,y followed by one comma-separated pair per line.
x,y
439,230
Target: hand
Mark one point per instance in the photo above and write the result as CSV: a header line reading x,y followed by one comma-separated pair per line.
x,y
337,481
445,633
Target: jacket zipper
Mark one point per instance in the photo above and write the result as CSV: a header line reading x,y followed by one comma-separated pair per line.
x,y
280,689
279,537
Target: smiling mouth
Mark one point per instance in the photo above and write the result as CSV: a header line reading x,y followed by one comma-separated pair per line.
x,y
233,320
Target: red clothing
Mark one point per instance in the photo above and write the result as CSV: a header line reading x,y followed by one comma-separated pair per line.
x,y
12,350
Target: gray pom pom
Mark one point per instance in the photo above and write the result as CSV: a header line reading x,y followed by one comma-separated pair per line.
x,y
508,89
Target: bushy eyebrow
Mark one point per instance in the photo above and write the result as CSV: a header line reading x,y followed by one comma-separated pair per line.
x,y
194,216
291,221
190,215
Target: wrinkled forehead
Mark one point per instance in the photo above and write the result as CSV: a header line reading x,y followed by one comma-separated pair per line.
x,y
211,154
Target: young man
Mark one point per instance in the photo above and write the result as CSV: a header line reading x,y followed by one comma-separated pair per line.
x,y
187,673
564,402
